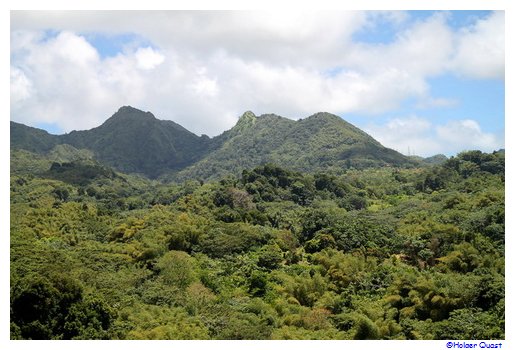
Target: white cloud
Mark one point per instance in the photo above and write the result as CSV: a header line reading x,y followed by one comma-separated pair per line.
x,y
419,136
291,37
421,50
411,135
467,134
480,49
21,86
63,80
147,58
203,85
203,69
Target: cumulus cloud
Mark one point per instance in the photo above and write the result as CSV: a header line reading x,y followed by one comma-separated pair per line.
x,y
63,80
203,69
467,134
412,135
420,50
416,135
480,49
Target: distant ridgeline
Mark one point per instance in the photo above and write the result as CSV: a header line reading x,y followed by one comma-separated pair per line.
x,y
133,141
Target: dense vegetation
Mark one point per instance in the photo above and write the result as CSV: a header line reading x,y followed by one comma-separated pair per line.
x,y
133,141
379,253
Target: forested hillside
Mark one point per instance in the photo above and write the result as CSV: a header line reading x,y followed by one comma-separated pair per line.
x,y
322,141
377,253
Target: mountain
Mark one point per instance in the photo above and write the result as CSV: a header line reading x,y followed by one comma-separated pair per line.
x,y
31,139
436,159
433,160
322,141
133,141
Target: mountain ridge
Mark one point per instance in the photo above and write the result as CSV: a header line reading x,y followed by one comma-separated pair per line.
x,y
320,142
134,141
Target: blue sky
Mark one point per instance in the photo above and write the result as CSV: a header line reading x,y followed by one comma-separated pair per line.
x,y
430,81
384,30
114,44
481,100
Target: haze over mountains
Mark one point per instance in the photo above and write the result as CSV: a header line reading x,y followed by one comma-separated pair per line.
x,y
133,141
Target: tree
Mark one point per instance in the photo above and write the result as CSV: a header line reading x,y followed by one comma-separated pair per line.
x,y
176,269
55,308
270,256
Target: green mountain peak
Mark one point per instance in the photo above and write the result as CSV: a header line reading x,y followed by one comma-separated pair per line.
x,y
246,120
248,115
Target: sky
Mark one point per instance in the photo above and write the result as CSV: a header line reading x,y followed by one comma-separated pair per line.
x,y
420,82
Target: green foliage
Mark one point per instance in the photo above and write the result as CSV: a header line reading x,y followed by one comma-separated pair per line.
x,y
176,269
159,322
366,329
270,256
78,173
469,323
89,319
54,308
381,253
322,141
225,239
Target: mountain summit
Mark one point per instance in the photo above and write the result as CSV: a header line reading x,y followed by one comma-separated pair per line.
x,y
134,141
247,119
321,141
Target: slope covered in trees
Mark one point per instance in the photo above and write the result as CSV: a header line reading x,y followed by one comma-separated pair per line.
x,y
31,139
321,142
133,141
380,253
